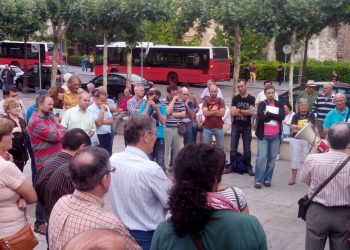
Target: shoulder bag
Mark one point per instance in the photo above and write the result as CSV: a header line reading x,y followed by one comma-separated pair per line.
x,y
197,241
24,239
305,201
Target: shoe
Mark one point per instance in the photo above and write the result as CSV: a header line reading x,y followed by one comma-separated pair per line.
x,y
257,185
278,157
228,170
250,171
291,182
40,229
267,184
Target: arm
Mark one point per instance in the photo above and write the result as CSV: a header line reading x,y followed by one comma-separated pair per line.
x,y
44,132
189,112
278,117
170,107
27,192
305,173
100,119
161,111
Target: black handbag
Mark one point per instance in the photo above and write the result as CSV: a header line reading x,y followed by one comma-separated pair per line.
x,y
305,201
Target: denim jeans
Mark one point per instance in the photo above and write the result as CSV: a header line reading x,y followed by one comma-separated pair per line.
x,y
246,132
143,238
188,136
194,131
158,152
265,159
217,132
32,161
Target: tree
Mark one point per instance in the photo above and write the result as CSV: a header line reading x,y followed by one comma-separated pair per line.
x,y
61,14
24,22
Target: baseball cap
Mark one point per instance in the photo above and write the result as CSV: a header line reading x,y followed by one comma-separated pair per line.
x,y
311,83
41,92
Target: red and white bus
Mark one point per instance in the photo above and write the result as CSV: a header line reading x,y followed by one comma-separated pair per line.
x,y
173,64
12,52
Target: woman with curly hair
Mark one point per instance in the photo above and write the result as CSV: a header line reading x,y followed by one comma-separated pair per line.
x,y
201,218
57,94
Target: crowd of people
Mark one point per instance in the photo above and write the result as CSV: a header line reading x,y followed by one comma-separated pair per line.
x,y
165,187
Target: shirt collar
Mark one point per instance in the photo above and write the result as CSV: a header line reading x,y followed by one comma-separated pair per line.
x,y
87,197
344,112
137,151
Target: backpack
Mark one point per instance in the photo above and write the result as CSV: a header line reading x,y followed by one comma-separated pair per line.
x,y
238,165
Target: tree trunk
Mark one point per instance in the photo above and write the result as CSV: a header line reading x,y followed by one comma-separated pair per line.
x,y
25,75
303,73
291,67
54,60
129,66
105,57
271,50
237,56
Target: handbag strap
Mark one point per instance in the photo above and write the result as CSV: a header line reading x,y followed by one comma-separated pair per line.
x,y
237,199
335,172
197,242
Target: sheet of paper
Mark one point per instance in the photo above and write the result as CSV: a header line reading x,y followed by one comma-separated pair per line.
x,y
273,110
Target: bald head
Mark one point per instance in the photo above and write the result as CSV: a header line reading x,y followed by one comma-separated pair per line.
x,y
184,90
327,89
339,136
97,238
90,87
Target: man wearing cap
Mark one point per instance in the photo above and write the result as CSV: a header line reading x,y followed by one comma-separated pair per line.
x,y
309,94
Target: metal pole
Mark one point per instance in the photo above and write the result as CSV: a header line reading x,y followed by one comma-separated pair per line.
x,y
142,59
284,71
39,70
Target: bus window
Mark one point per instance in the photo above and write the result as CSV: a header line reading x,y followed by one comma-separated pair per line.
x,y
220,53
155,58
174,59
117,56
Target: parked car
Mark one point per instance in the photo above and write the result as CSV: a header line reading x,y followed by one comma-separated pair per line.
x,y
33,75
116,83
18,78
337,88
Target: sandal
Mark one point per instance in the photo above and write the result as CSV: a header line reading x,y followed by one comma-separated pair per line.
x,y
40,229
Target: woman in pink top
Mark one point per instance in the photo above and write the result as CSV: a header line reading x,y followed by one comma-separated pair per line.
x,y
15,191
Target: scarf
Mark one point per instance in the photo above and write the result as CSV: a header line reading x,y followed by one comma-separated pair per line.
x,y
218,202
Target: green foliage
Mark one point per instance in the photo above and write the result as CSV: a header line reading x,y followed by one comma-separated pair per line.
x,y
252,44
75,60
316,70
163,32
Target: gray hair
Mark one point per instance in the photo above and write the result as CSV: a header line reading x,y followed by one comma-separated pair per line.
x,y
302,100
136,127
339,136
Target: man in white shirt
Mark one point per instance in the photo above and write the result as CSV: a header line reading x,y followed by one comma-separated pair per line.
x,y
206,92
79,117
103,120
139,187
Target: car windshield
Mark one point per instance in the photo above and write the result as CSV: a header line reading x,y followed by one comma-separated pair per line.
x,y
134,78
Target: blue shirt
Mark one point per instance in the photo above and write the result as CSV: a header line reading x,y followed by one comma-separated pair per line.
x,y
334,116
30,111
160,127
95,111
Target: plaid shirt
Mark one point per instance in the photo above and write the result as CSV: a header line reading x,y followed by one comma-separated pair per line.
x,y
78,212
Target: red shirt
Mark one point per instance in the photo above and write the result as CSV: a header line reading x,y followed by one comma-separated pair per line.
x,y
123,102
213,104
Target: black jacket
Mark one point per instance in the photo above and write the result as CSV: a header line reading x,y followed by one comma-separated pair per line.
x,y
262,118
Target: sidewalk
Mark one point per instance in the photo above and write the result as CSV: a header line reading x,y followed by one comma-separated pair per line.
x,y
275,207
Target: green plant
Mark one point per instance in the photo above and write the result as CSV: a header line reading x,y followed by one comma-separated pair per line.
x,y
75,60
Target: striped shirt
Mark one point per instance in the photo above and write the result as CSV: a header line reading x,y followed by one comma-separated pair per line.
x,y
230,194
78,212
179,106
45,136
322,106
44,188
317,168
12,219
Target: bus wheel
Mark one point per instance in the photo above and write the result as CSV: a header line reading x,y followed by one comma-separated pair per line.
x,y
173,78
15,64
114,70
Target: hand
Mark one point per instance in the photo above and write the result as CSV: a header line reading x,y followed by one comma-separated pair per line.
x,y
176,98
265,112
7,156
103,107
22,204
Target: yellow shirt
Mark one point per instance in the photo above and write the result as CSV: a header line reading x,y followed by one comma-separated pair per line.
x,y
70,99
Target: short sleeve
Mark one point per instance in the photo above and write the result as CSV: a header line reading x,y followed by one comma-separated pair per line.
x,y
204,104
163,110
234,101
312,118
294,119
328,120
11,176
252,101
222,103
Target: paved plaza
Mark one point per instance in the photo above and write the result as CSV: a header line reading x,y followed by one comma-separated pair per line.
x,y
275,207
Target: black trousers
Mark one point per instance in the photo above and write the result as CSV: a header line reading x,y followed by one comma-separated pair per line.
x,y
105,142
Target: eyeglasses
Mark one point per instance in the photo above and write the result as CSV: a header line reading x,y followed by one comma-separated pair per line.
x,y
112,170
